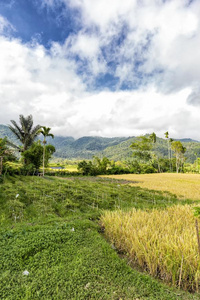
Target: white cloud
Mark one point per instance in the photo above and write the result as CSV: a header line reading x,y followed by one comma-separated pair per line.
x,y
5,25
87,47
34,81
158,54
161,36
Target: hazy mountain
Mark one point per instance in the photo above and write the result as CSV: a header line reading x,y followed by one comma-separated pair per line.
x,y
117,148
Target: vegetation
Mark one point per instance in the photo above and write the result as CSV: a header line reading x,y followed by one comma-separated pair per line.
x,y
24,132
32,153
45,131
117,149
179,151
142,148
185,186
161,242
34,156
5,154
50,238
50,234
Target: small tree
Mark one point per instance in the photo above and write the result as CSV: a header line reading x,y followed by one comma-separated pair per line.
x,y
5,154
169,146
179,151
142,148
87,168
45,131
34,156
101,164
153,137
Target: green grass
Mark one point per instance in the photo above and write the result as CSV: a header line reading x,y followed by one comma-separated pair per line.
x,y
58,240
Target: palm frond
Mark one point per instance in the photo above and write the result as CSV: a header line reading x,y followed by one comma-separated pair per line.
x,y
35,131
22,121
29,123
16,126
13,145
16,132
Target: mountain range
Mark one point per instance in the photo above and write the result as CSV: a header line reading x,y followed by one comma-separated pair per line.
x,y
116,148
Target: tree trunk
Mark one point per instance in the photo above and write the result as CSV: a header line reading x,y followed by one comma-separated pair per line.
x,y
43,158
1,165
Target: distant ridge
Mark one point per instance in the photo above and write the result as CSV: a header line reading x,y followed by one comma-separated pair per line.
x,y
186,140
116,148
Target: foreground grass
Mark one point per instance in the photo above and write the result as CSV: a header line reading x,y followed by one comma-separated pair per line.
x,y
36,198
56,239
67,264
164,243
185,186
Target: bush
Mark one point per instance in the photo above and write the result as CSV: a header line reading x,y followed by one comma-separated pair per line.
x,y
146,169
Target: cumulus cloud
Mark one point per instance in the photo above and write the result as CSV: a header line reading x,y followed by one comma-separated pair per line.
x,y
33,80
150,47
137,42
194,97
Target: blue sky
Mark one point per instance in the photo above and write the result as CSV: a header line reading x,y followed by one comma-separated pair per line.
x,y
109,68
31,20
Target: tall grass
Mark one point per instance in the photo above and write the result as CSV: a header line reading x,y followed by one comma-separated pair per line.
x,y
162,242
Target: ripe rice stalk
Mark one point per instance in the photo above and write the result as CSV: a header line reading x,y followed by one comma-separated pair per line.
x,y
162,242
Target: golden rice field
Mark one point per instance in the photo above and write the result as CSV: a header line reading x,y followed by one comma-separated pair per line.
x,y
183,185
162,242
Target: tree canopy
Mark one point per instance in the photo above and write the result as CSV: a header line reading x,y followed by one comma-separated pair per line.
x,y
25,132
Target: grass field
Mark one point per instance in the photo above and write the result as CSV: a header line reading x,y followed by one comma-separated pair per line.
x,y
70,168
50,229
185,186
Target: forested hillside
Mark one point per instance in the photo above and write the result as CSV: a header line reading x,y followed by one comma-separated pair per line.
x,y
116,148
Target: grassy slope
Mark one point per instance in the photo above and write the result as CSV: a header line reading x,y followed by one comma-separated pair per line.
x,y
66,263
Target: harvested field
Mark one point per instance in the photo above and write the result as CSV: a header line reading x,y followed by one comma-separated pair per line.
x,y
185,186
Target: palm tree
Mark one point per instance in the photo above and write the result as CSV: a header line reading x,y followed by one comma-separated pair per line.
x,y
25,132
45,132
153,137
167,137
169,143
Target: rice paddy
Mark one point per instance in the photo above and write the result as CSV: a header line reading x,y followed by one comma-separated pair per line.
x,y
50,229
185,186
161,242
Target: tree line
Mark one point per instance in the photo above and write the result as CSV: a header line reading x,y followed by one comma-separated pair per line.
x,y
145,159
36,153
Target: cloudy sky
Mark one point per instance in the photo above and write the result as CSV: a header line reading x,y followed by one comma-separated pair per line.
x,y
102,67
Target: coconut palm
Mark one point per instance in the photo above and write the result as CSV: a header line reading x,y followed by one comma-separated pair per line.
x,y
169,143
25,132
45,131
153,137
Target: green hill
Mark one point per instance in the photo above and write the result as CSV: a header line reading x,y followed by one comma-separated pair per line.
x,y
116,148
68,147
6,132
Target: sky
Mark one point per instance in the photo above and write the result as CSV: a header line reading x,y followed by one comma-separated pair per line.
x,y
102,67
